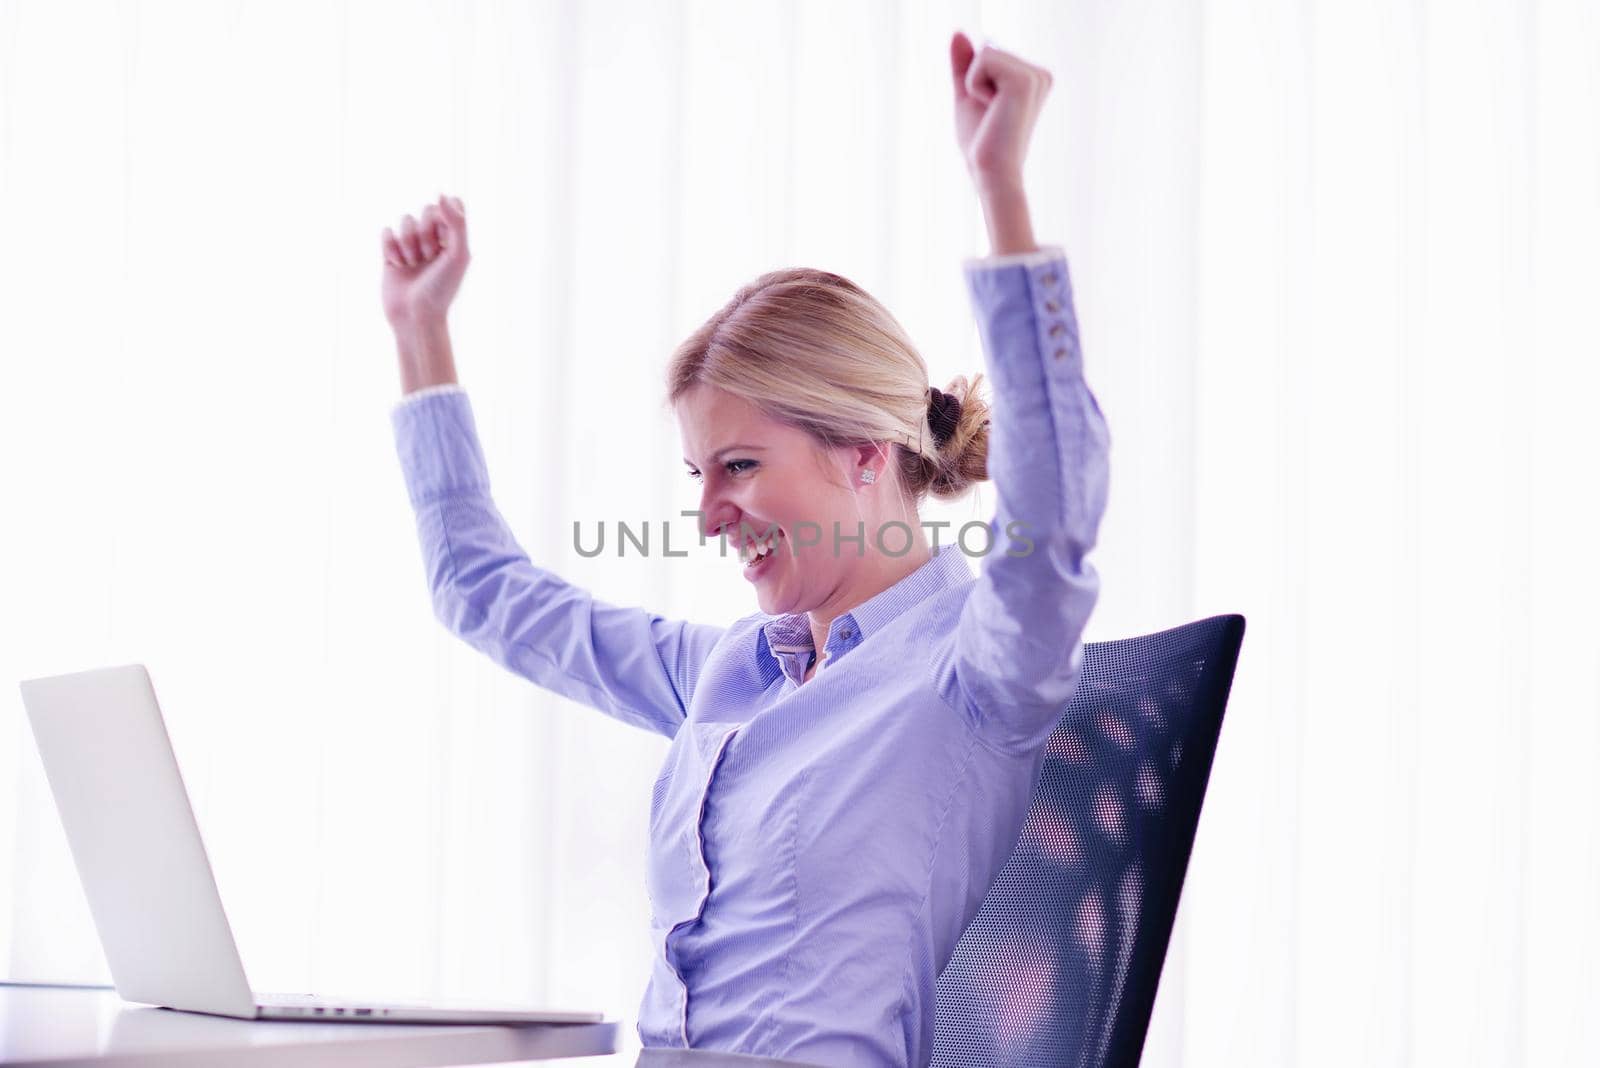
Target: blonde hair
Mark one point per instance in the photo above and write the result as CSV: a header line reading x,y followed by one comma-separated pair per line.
x,y
815,351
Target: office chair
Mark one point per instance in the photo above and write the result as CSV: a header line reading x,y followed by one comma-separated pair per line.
x,y
1060,965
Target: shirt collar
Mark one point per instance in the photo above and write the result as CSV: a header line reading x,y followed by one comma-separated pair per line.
x,y
790,633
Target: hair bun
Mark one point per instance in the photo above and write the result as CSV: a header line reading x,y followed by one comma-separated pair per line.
x,y
944,415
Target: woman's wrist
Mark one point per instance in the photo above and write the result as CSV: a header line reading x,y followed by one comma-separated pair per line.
x,y
1005,210
426,357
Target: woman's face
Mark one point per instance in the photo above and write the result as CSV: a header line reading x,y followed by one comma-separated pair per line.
x,y
761,477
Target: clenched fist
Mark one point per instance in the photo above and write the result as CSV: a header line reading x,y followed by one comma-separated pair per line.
x,y
424,264
998,98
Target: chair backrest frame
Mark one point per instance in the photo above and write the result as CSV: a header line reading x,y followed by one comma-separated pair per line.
x,y
1179,681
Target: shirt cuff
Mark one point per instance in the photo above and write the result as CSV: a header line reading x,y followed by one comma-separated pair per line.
x,y
1043,254
1026,319
427,391
437,442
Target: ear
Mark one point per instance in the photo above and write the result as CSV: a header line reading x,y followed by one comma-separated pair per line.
x,y
872,455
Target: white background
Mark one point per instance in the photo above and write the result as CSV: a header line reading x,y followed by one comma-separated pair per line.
x,y
1336,268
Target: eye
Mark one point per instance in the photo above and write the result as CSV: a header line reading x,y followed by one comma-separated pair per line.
x,y
734,467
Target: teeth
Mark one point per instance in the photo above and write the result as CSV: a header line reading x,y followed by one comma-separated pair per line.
x,y
749,551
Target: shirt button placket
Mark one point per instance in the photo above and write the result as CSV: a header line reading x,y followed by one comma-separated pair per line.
x,y
705,865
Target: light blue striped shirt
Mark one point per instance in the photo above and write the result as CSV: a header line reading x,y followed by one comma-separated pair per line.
x,y
816,850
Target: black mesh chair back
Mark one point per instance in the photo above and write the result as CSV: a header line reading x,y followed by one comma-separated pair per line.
x,y
1060,965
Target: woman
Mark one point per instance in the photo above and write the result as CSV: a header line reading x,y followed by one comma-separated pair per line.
x,y
851,765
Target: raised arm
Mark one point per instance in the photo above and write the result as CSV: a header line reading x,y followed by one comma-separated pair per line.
x,y
628,662
1018,649
1014,661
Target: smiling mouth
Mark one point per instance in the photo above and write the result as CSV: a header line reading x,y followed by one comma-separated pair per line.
x,y
756,555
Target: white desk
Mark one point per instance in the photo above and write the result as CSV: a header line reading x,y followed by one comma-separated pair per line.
x,y
69,1026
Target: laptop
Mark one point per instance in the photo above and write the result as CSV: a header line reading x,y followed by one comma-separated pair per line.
x,y
145,872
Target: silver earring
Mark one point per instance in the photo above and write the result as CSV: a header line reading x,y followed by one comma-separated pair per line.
x,y
869,475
